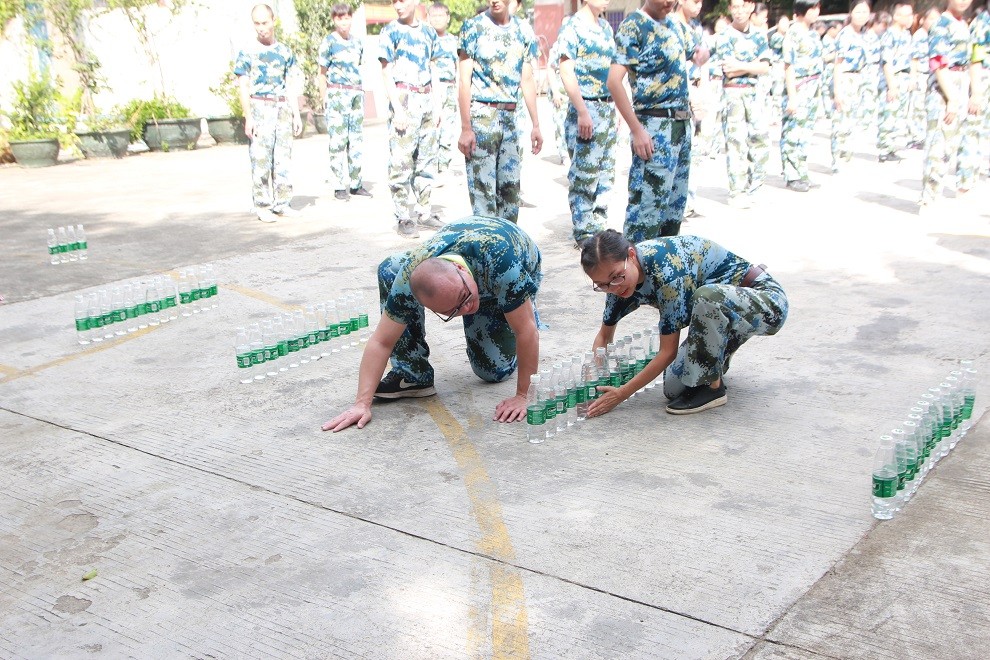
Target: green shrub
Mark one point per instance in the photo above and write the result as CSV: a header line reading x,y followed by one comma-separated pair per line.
x,y
138,112
36,114
229,91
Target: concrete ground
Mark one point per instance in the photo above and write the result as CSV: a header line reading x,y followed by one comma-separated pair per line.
x,y
222,522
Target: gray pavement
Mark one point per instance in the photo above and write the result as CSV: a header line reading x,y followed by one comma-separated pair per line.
x,y
222,522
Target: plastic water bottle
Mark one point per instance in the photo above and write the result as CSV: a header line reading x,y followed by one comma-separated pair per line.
x,y
900,455
560,396
73,243
885,480
106,311
914,458
344,322
242,352
364,328
536,431
119,311
271,348
257,351
82,320
63,246
282,339
83,246
302,336
151,305
570,386
577,367
313,333
185,293
95,318
292,339
549,399
52,247
590,378
355,319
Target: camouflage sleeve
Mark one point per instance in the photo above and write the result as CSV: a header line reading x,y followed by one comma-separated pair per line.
x,y
323,55
242,65
627,47
468,41
939,44
617,308
386,44
763,53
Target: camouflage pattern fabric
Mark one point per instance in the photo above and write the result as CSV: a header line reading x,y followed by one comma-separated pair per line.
x,y
658,189
412,158
449,125
344,112
747,139
592,170
270,152
267,68
802,52
918,115
893,119
979,30
493,169
505,264
852,96
498,54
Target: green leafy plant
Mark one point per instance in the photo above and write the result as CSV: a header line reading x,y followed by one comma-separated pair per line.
x,y
37,114
138,112
229,92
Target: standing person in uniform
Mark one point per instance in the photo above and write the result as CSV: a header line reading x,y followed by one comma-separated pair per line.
x,y
340,57
918,125
802,55
948,104
745,57
271,116
828,62
650,49
587,49
896,58
446,65
873,81
486,271
408,49
773,85
722,299
700,97
848,81
495,54
558,98
979,31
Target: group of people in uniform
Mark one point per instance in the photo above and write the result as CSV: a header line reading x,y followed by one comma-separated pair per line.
x,y
487,271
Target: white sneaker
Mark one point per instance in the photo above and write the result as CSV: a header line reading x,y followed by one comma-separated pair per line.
x,y
286,212
265,215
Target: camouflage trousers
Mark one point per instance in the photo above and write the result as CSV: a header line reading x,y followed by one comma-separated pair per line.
x,y
723,318
892,127
449,124
493,170
270,152
747,139
560,127
658,188
491,344
412,160
917,113
853,114
946,143
345,121
592,171
982,165
796,128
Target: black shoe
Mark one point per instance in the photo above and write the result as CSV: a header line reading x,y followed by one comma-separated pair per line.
x,y
342,195
361,191
798,185
407,229
431,221
890,158
696,399
394,386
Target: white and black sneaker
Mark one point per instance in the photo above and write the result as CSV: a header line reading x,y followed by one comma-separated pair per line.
x,y
394,386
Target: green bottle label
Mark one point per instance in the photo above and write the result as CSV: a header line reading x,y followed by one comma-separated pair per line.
x,y
243,360
82,324
170,301
592,393
53,249
73,247
615,380
314,337
283,348
334,331
96,322
535,415
185,297
362,321
641,364
581,395
343,328
195,294
303,341
571,399
119,315
153,307
550,409
355,324
107,319
214,290
562,404
884,486
64,247
271,352
82,245
258,356
902,479
324,334
131,312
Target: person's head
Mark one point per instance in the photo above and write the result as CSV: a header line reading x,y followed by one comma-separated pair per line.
x,y
740,10
720,24
610,260
761,16
880,22
439,16
958,7
783,23
807,10
342,16
445,288
930,17
264,23
690,8
405,10
597,7
499,10
903,14
658,9
833,29
859,14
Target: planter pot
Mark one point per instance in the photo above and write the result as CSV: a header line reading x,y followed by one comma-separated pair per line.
x,y
35,153
320,123
227,130
172,134
104,144
306,116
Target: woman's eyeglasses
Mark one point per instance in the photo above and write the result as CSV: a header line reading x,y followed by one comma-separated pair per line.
x,y
616,281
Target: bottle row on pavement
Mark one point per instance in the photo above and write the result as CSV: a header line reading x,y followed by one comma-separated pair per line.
x,y
934,426
69,244
559,397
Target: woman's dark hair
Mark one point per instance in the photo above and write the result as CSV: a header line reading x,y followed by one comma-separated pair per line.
x,y
608,245
341,9
856,3
760,8
802,7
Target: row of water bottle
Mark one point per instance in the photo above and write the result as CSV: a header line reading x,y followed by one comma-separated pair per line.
x,y
559,397
69,244
133,306
294,339
932,428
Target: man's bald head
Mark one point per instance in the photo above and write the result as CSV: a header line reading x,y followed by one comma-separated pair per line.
x,y
265,8
432,278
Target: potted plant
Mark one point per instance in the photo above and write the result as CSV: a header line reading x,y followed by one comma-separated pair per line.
x,y
163,123
229,129
103,136
35,122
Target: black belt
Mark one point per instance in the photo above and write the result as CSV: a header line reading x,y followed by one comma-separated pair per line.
x,y
498,105
752,274
424,89
664,113
597,98
902,71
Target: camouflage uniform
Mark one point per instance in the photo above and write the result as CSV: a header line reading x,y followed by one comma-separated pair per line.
x,y
979,31
446,68
872,76
591,48
696,284
828,68
772,86
918,115
558,95
699,97
949,49
523,124
505,264
803,53
498,54
343,108
271,143
658,188
893,120
412,163
747,135
850,58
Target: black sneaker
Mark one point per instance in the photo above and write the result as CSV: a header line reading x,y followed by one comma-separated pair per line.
x,y
361,191
394,386
342,195
696,399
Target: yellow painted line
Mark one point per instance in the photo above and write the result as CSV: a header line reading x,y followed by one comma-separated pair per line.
x,y
8,371
258,295
510,621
